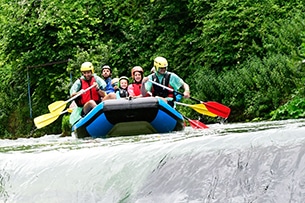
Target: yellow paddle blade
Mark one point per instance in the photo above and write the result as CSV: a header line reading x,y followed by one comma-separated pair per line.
x,y
46,119
201,108
57,106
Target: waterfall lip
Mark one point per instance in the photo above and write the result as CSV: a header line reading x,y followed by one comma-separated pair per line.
x,y
242,161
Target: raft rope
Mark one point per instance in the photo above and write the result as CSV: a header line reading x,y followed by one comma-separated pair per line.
x,y
29,93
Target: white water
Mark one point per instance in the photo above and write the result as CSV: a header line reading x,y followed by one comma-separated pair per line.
x,y
243,162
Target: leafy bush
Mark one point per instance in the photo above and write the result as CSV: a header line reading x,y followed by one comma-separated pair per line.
x,y
292,109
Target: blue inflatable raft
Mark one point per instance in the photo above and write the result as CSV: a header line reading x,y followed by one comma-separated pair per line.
x,y
127,116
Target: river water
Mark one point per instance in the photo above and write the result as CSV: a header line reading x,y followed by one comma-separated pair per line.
x,y
240,162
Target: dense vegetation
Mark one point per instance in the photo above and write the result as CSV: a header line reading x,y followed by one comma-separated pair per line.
x,y
247,55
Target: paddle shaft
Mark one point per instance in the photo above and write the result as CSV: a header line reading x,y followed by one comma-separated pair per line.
x,y
195,123
75,96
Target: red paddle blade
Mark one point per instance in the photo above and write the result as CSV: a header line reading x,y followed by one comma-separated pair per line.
x,y
197,124
218,109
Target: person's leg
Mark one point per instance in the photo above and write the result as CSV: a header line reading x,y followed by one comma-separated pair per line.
x,y
109,96
89,106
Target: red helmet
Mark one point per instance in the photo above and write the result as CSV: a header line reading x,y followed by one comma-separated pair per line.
x,y
136,69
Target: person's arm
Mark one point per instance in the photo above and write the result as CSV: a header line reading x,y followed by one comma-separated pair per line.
x,y
130,90
177,82
143,89
101,86
186,92
76,87
146,86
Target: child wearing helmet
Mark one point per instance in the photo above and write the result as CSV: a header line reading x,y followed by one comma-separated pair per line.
x,y
122,87
89,99
134,89
166,78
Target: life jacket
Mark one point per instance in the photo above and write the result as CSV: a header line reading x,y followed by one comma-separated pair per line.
x,y
160,91
123,92
137,88
91,94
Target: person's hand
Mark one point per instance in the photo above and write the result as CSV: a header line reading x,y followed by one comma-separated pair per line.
x,y
186,94
97,88
145,79
81,91
103,94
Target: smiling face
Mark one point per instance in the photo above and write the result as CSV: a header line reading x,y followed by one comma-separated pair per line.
x,y
123,84
137,76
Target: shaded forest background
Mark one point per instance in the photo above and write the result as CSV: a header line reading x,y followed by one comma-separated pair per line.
x,y
248,55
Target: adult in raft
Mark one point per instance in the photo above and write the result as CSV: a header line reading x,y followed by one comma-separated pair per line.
x,y
134,89
110,91
107,73
166,78
89,99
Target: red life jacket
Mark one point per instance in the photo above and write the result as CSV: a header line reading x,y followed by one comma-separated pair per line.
x,y
91,94
137,89
160,91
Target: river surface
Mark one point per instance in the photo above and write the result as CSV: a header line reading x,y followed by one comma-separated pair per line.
x,y
231,163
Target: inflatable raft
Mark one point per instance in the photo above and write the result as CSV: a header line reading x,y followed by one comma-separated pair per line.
x,y
127,116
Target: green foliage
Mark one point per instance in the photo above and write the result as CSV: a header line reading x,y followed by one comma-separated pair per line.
x,y
253,90
65,126
231,31
292,109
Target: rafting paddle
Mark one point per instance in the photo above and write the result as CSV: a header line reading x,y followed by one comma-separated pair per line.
x,y
46,119
200,108
59,106
195,123
212,106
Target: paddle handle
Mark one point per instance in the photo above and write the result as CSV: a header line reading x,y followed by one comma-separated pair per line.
x,y
172,90
183,104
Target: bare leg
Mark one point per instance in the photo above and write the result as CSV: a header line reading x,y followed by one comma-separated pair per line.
x,y
109,96
89,106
